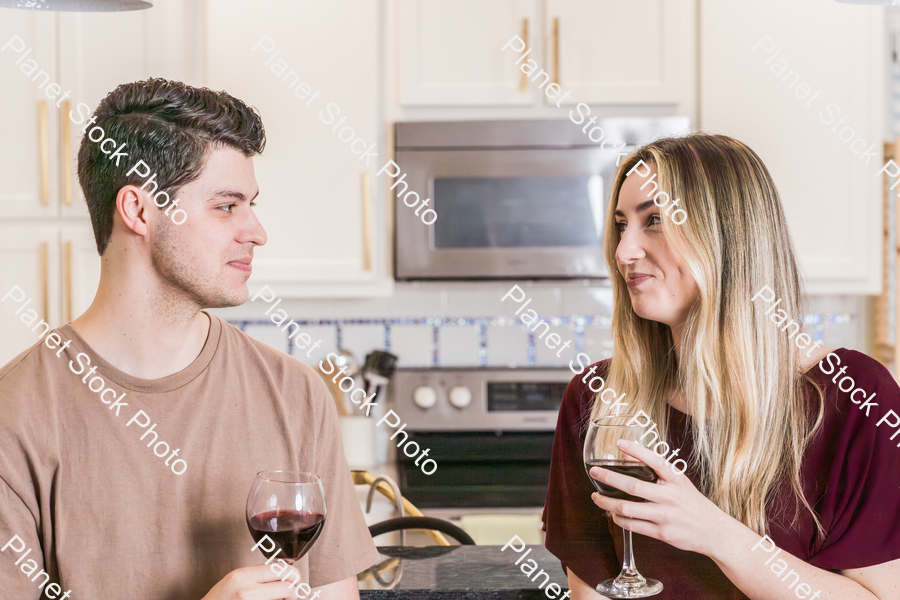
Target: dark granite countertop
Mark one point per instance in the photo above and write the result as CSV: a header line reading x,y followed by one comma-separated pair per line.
x,y
460,572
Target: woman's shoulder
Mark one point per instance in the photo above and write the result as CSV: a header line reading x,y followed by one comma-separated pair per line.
x,y
845,370
579,396
861,405
855,460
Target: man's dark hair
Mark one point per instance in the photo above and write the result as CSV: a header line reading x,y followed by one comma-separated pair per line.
x,y
172,127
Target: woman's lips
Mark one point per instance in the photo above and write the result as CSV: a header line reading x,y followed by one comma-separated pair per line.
x,y
636,280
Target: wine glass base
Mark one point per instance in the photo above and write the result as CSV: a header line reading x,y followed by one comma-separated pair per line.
x,y
650,587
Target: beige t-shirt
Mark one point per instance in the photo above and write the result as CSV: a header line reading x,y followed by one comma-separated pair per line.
x,y
107,518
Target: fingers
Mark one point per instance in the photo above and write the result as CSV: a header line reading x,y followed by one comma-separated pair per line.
x,y
278,590
638,526
651,459
634,510
260,582
630,485
261,573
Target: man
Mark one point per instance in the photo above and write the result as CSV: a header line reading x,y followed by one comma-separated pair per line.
x,y
130,437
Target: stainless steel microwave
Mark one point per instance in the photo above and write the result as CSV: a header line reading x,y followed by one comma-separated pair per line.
x,y
514,199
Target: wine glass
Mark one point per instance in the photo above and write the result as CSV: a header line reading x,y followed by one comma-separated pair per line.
x,y
600,450
289,507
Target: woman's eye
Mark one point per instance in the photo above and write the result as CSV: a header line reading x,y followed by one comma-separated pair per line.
x,y
651,222
620,227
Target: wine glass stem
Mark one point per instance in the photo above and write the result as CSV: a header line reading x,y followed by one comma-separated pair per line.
x,y
629,577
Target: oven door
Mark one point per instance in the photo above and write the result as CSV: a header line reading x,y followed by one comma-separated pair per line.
x,y
504,213
479,469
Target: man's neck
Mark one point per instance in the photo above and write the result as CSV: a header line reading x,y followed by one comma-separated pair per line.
x,y
144,333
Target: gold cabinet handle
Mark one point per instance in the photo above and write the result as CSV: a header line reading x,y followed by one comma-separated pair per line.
x,y
67,259
45,281
65,153
524,84
556,50
367,220
44,143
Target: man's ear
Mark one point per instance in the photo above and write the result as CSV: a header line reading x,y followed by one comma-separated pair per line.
x,y
132,205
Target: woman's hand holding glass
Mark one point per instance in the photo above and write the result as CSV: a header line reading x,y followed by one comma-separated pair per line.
x,y
675,512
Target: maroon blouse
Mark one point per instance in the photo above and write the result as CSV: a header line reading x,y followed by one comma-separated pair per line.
x,y
850,475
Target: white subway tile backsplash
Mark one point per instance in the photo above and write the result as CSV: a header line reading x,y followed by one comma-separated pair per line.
x,y
587,301
419,301
323,333
545,300
836,320
413,345
362,339
458,346
546,356
597,342
507,346
474,303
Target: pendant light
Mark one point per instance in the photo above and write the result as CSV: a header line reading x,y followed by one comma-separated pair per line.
x,y
78,5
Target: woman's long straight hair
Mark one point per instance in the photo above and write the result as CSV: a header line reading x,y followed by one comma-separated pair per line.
x,y
739,373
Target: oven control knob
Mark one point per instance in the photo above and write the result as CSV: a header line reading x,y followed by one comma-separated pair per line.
x,y
460,396
425,397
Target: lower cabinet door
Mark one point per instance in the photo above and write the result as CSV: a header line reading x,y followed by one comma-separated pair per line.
x,y
29,285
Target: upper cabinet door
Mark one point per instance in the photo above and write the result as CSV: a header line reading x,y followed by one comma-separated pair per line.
x,y
29,156
450,52
312,71
120,42
614,52
804,90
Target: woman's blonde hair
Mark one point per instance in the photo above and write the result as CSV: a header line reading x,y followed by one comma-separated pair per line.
x,y
739,374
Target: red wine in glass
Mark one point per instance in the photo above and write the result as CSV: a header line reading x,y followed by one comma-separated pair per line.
x,y
293,531
289,508
632,469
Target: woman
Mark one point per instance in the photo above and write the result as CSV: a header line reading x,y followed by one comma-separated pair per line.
x,y
773,445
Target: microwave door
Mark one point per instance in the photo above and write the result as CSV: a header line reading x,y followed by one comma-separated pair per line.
x,y
506,214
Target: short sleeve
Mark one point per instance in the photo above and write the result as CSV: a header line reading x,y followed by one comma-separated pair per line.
x,y
16,521
860,464
345,546
577,531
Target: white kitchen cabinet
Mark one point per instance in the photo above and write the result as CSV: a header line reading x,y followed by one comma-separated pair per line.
x,y
46,241
613,52
831,196
31,260
57,267
449,52
80,269
604,51
38,177
317,198
121,43
29,160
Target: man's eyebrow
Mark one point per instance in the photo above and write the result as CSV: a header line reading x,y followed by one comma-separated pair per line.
x,y
640,208
231,194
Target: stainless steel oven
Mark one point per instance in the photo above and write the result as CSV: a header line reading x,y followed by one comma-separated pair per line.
x,y
490,430
514,199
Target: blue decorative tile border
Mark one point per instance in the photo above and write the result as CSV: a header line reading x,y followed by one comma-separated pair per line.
x,y
817,321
